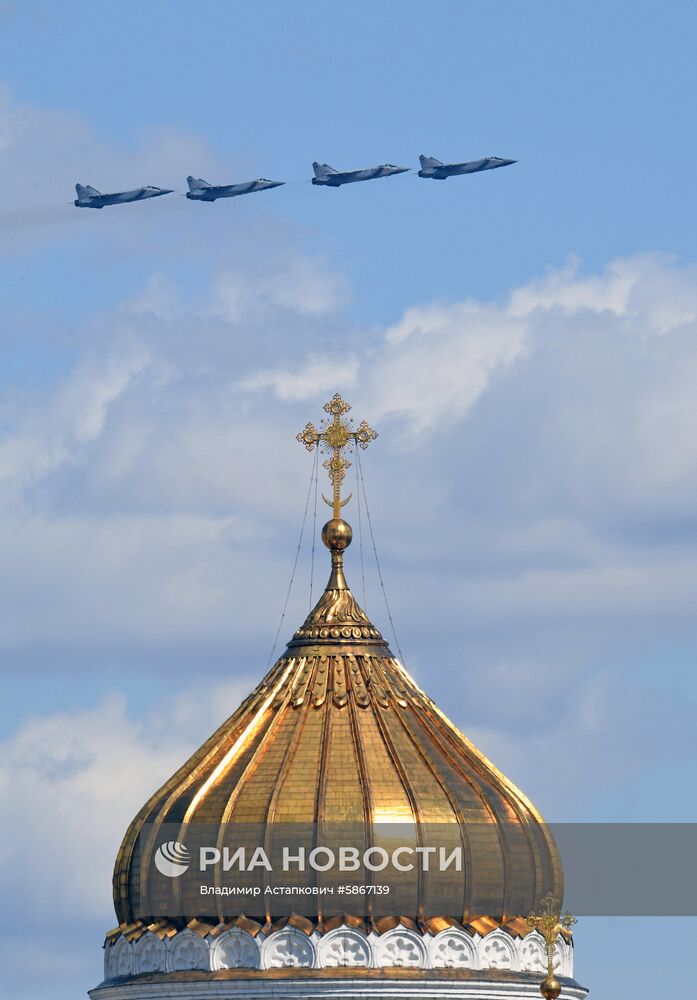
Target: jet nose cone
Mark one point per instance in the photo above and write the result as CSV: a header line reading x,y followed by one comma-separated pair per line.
x,y
400,170
507,163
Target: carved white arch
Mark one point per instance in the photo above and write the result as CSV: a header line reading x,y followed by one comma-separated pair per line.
x,y
235,949
452,949
123,958
400,948
150,953
344,947
532,952
497,951
563,957
288,949
187,951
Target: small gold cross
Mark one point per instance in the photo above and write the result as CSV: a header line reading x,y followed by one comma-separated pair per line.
x,y
549,922
335,436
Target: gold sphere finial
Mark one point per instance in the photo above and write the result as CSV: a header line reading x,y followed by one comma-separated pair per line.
x,y
337,534
550,987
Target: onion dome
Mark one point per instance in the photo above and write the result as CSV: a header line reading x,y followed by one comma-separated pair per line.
x,y
340,742
338,735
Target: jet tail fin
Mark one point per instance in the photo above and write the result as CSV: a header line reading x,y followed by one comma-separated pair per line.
x,y
430,161
323,169
197,183
85,191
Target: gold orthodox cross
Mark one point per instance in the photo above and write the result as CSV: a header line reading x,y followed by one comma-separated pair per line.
x,y
549,922
336,435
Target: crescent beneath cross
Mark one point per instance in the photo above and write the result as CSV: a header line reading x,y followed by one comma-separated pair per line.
x,y
342,503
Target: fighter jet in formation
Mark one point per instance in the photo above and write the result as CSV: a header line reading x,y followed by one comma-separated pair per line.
x,y
89,197
329,177
200,190
326,176
437,171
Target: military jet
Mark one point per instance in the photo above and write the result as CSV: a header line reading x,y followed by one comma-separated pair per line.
x,y
200,190
329,177
437,171
89,197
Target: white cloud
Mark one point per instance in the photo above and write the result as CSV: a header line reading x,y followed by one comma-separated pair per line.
x,y
319,375
55,432
570,293
44,152
71,782
439,360
553,431
648,287
123,578
531,491
158,299
539,460
299,285
558,436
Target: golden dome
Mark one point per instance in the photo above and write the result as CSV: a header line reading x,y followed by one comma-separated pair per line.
x,y
338,733
339,740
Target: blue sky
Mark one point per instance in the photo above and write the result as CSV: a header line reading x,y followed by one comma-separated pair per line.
x,y
524,340
594,99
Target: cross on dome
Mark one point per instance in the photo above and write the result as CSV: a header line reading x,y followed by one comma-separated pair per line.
x,y
335,436
549,922
339,741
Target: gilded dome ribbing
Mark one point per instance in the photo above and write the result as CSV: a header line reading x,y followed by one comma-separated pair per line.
x,y
337,733
339,738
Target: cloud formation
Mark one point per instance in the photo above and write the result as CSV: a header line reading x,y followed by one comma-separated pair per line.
x,y
436,362
71,782
536,453
44,152
533,493
559,423
300,285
